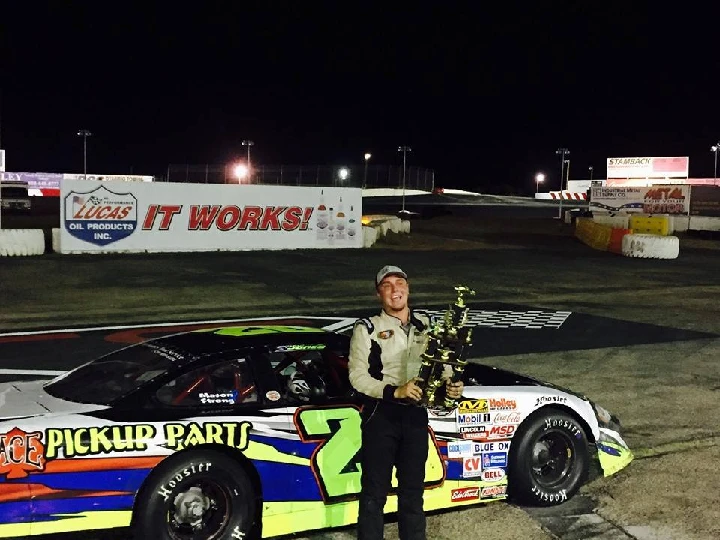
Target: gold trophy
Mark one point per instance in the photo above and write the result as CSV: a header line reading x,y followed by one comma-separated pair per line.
x,y
448,345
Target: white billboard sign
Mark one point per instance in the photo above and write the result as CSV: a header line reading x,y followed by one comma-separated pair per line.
x,y
104,217
648,167
673,199
107,177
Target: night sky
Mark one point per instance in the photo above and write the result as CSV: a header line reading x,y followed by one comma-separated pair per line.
x,y
483,95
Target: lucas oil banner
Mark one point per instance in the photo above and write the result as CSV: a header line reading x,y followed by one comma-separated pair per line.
x,y
173,217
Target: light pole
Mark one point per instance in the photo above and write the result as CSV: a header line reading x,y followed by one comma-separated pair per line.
x,y
539,178
590,168
562,152
248,144
368,155
84,133
404,150
715,148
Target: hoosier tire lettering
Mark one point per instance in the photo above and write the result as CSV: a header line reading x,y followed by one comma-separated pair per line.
x,y
179,476
548,460
197,494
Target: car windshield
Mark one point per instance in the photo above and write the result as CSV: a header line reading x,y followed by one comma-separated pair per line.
x,y
111,377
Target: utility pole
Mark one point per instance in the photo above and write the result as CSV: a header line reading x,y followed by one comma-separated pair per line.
x,y
404,150
562,152
84,133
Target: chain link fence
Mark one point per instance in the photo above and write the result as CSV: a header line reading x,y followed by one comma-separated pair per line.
x,y
374,176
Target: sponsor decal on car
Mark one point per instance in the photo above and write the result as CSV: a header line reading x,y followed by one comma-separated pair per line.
x,y
91,441
473,406
273,395
473,419
496,446
493,491
507,418
493,474
465,494
21,453
494,459
545,400
458,449
300,347
502,404
472,467
487,433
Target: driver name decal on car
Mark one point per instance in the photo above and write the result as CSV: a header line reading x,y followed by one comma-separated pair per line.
x,y
225,398
21,453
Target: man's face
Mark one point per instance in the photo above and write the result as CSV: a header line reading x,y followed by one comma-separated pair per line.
x,y
393,293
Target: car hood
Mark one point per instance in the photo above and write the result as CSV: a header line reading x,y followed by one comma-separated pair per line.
x,y
24,399
491,376
482,375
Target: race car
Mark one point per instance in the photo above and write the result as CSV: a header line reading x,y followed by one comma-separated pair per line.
x,y
254,431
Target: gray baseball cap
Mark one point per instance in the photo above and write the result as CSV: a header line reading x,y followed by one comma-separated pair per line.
x,y
389,270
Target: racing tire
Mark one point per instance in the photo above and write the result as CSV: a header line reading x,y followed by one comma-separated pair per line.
x,y
201,494
549,459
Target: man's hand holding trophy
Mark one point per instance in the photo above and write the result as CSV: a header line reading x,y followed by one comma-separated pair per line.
x,y
444,359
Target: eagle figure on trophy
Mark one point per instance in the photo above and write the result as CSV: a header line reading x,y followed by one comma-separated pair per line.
x,y
446,352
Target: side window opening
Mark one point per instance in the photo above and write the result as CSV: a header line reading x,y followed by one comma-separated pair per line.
x,y
305,374
227,383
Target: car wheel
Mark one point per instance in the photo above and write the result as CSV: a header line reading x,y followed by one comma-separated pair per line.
x,y
201,494
549,459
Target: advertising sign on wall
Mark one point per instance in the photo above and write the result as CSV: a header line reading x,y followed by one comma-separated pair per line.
x,y
705,201
648,167
106,177
171,217
671,199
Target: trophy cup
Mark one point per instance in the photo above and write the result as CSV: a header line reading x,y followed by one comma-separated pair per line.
x,y
445,354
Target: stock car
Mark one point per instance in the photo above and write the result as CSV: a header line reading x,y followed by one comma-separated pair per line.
x,y
212,434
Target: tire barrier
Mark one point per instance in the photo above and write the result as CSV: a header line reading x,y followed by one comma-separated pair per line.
x,y
593,234
56,240
615,221
657,225
616,240
650,246
370,236
21,242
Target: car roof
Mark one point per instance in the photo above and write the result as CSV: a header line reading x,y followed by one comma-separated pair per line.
x,y
213,341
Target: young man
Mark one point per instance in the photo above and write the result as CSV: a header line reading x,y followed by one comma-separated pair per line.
x,y
385,355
